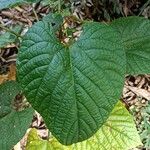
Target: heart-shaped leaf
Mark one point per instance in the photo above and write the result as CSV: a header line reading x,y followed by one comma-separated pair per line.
x,y
135,35
74,88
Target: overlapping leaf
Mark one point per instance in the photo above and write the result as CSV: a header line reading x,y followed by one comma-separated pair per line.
x,y
135,35
118,133
74,88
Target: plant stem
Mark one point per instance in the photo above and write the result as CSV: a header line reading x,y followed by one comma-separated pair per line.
x,y
59,6
11,31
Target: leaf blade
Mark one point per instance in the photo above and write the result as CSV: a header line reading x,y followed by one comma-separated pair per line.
x,y
13,127
119,132
61,77
13,124
135,35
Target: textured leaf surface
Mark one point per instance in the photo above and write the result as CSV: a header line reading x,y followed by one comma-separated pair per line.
x,y
135,35
13,124
118,133
74,88
34,142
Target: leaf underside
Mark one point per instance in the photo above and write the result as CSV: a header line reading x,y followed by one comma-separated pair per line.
x,y
118,133
135,35
75,88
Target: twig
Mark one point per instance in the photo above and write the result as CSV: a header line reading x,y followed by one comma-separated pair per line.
x,y
59,6
12,16
34,11
11,31
77,19
144,6
139,92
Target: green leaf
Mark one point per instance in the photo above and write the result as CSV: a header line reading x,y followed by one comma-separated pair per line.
x,y
13,127
55,19
52,3
32,1
8,91
13,124
118,133
5,39
75,88
34,142
10,3
135,35
8,38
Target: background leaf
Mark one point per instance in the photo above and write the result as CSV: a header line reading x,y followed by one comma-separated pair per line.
x,y
10,3
8,91
8,38
135,35
118,133
13,124
34,142
55,20
75,88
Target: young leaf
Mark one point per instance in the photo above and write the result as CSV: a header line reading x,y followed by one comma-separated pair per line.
x,y
34,142
55,19
135,35
75,88
5,39
8,38
13,124
118,133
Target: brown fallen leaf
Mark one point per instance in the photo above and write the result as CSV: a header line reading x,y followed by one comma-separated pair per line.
x,y
140,92
11,75
12,72
3,78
